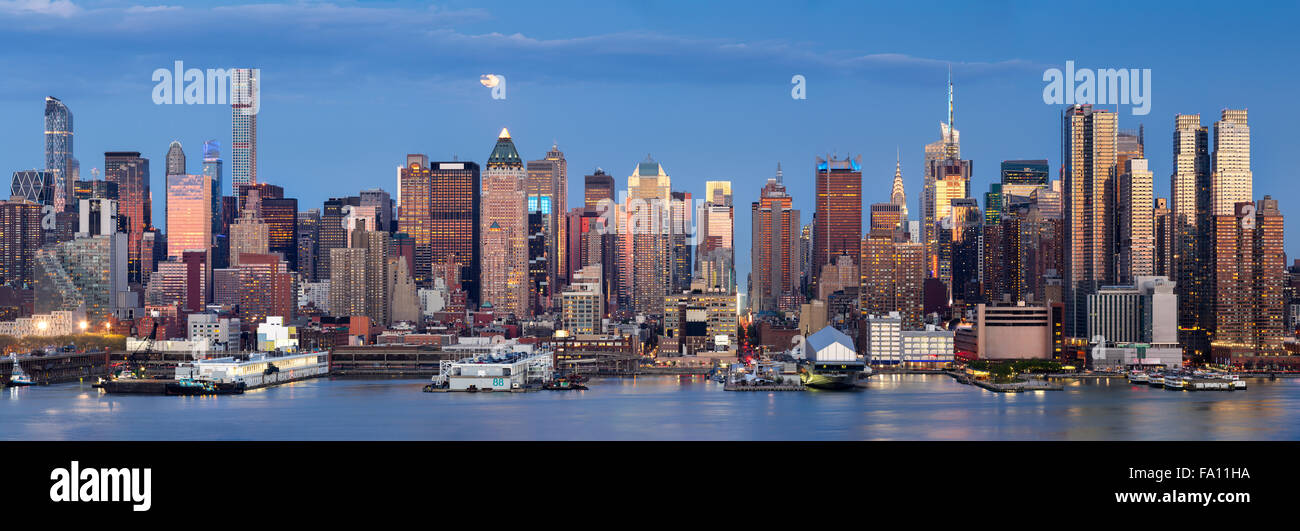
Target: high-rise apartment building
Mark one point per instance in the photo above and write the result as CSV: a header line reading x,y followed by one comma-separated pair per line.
x,y
1231,179
1246,315
1190,218
20,237
244,104
1135,216
1088,156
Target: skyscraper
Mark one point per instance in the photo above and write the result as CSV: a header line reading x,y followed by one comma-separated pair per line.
x,y
549,177
1248,269
175,159
135,205
1136,220
681,241
837,226
775,262
505,244
441,213
1231,178
37,186
244,103
597,187
58,152
332,233
212,169
715,254
649,191
1190,219
897,194
1088,155
20,237
249,235
189,213
892,277
265,288
539,257
308,237
947,180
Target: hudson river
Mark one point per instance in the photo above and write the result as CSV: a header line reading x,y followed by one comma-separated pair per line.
x,y
658,407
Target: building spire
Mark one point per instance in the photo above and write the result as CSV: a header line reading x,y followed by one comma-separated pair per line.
x,y
950,113
778,172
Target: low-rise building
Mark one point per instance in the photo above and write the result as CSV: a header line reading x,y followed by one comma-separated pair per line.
x,y
1013,331
221,333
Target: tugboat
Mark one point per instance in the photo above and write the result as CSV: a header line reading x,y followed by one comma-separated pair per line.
x,y
564,383
192,387
19,378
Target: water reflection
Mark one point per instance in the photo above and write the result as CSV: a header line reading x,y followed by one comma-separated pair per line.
x,y
658,407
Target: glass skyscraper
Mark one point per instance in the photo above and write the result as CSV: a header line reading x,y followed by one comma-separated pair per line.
x,y
58,151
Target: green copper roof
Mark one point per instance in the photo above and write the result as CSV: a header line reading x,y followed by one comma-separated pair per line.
x,y
504,154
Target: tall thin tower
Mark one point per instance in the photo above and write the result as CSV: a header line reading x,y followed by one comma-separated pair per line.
x,y
1190,190
244,104
1088,146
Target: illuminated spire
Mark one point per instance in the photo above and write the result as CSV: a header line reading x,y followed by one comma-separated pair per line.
x,y
897,195
505,133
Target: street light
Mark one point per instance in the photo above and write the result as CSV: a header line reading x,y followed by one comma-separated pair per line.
x,y
84,325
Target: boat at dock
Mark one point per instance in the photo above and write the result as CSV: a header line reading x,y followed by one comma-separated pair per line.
x,y
563,384
832,362
1189,380
19,378
260,369
192,387
1174,382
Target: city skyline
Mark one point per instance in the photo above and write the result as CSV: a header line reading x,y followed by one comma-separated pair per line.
x,y
897,99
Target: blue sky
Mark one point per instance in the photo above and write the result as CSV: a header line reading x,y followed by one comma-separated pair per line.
x,y
350,87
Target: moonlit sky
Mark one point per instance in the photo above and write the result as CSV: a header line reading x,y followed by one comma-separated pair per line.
x,y
349,88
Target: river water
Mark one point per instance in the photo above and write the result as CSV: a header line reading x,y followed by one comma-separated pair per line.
x,y
906,407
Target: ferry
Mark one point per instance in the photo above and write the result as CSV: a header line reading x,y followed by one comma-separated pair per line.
x,y
259,369
1138,377
19,378
1156,378
1174,382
